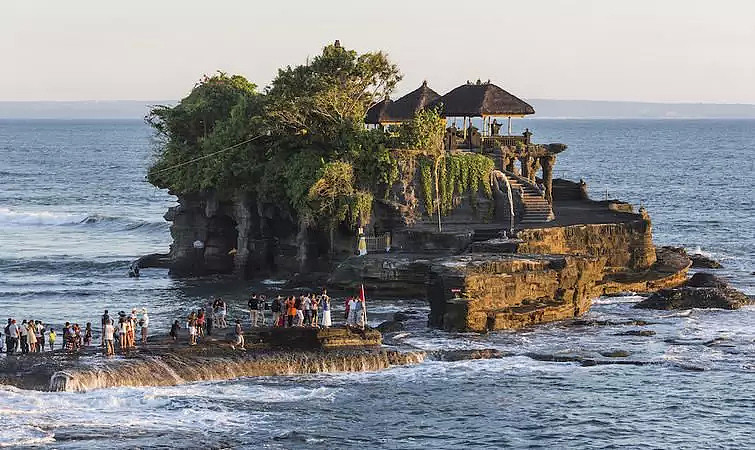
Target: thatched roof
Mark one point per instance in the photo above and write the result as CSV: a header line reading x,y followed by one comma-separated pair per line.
x,y
402,109
378,113
483,99
407,106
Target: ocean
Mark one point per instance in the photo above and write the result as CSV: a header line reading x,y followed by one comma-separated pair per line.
x,y
75,210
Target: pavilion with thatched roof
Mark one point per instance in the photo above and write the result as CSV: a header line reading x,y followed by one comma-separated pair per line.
x,y
388,112
379,114
484,100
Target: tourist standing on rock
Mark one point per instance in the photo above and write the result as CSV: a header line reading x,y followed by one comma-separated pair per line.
x,y
326,320
105,320
108,332
291,309
40,336
145,326
299,303
359,313
306,304
132,329
315,311
192,332
122,332
7,336
221,312
275,308
261,307
201,320
351,312
174,330
88,335
23,333
12,334
51,339
239,335
253,312
32,329
79,341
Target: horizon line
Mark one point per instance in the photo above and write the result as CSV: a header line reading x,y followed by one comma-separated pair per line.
x,y
652,102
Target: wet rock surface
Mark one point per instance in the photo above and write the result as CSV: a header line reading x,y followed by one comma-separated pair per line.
x,y
391,326
703,290
642,333
463,355
700,261
165,362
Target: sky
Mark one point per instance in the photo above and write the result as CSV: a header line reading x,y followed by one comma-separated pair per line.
x,y
633,50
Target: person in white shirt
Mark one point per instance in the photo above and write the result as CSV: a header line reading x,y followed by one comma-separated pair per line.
x,y
109,332
306,305
23,334
122,332
12,336
352,319
145,325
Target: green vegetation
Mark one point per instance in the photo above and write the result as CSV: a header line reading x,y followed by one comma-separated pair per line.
x,y
301,144
456,175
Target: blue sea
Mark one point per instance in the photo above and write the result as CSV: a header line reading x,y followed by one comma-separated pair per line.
x,y
75,210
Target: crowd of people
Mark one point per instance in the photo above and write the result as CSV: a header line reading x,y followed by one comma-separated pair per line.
x,y
120,331
307,310
123,330
31,336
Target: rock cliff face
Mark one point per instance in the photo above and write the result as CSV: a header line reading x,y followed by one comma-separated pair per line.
x,y
475,273
621,245
242,237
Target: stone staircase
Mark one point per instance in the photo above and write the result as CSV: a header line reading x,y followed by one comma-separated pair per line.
x,y
536,207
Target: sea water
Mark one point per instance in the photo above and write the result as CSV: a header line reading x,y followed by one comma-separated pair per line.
x,y
75,210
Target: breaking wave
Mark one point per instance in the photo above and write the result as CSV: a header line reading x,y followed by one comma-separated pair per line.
x,y
9,217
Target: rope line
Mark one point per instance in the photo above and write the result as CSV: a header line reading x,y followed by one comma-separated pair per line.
x,y
209,155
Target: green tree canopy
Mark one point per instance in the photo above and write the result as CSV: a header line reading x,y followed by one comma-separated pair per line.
x,y
300,145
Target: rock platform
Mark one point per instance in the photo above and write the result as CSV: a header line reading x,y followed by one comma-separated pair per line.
x,y
162,361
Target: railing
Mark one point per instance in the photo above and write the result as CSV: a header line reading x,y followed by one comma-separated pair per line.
x,y
379,243
506,141
478,141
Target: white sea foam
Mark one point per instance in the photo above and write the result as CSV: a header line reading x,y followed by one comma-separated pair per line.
x,y
697,250
25,218
617,300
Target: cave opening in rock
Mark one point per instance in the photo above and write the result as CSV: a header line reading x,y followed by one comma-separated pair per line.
x,y
222,238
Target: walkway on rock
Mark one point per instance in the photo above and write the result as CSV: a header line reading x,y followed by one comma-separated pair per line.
x,y
536,207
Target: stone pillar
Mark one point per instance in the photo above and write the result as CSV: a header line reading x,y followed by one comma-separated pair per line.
x,y
548,162
534,168
526,166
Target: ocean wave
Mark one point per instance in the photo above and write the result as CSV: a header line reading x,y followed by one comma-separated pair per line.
x,y
9,217
68,266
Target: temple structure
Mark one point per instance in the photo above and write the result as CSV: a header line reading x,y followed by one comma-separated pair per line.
x,y
517,159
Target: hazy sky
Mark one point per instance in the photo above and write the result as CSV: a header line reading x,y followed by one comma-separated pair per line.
x,y
660,50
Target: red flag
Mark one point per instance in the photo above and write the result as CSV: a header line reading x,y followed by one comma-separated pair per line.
x,y
361,294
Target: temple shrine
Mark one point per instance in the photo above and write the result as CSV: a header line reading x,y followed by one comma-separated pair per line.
x,y
517,159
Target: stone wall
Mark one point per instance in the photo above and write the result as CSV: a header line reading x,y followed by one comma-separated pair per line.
x,y
510,291
622,245
514,291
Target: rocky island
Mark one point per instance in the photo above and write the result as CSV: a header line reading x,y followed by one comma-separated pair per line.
x,y
324,180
